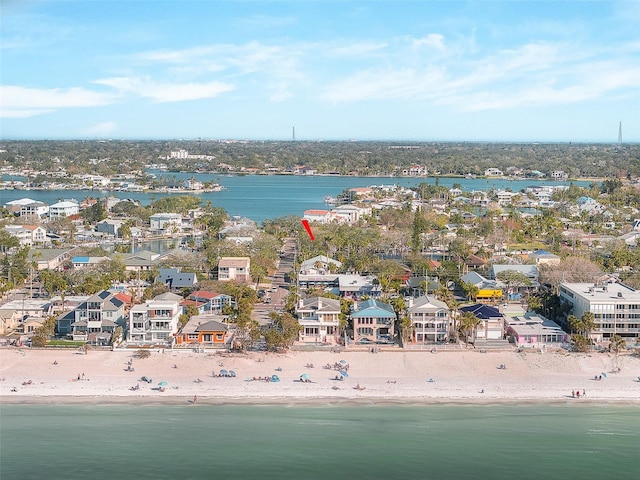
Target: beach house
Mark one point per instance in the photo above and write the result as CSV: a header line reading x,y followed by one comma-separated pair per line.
x,y
373,322
207,330
492,321
430,319
319,319
95,319
156,321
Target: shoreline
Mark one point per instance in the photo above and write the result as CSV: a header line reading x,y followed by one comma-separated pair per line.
x,y
387,378
177,400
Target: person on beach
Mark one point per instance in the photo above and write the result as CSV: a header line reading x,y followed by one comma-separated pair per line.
x,y
195,399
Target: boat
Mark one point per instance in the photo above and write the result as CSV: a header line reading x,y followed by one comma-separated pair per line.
x,y
329,200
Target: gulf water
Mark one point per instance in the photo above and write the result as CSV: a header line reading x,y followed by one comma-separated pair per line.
x,y
261,197
319,442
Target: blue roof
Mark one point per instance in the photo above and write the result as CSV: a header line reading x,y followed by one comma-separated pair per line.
x,y
80,260
374,308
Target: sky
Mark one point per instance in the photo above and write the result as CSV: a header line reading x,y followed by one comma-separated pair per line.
x,y
513,71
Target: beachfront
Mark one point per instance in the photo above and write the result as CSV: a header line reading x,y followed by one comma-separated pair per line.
x,y
52,376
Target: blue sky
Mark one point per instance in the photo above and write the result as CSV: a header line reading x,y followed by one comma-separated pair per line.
x,y
334,70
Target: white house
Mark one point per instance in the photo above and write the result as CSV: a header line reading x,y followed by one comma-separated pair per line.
x,y
63,209
319,319
34,209
155,321
234,268
319,216
430,319
166,221
28,235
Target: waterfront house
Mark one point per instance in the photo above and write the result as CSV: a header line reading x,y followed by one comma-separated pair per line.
x,y
533,330
110,226
492,321
63,209
373,322
319,319
204,330
85,261
166,222
234,268
156,321
95,319
317,215
140,261
430,319
34,209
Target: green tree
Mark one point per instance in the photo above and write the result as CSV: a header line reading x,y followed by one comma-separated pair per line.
x,y
468,326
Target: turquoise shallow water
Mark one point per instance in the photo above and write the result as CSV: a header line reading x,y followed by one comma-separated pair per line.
x,y
271,196
339,442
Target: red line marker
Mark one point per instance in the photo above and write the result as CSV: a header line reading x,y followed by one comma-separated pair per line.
x,y
305,224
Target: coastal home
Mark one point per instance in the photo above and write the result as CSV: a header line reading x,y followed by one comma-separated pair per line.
x,y
489,291
492,326
234,268
493,172
110,226
95,319
319,319
212,301
85,261
63,209
357,286
34,209
175,279
316,215
204,330
9,320
533,330
31,207
319,265
615,307
143,260
514,292
166,222
430,319
156,321
373,322
28,235
542,257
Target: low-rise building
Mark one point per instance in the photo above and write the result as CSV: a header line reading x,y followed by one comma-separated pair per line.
x,y
492,321
430,319
156,321
206,330
373,322
615,308
234,268
63,209
533,330
319,319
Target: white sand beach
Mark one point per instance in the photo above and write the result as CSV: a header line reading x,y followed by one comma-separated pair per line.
x,y
386,377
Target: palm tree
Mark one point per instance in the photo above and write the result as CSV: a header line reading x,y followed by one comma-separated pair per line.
x,y
468,326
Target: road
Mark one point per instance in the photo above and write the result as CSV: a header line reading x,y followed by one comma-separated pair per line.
x,y
278,287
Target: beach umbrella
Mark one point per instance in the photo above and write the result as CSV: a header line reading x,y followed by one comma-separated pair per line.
x,y
344,374
304,376
232,373
343,362
224,373
162,384
604,374
275,378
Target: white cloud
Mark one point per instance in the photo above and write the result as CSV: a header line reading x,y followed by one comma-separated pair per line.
x,y
25,102
433,40
166,92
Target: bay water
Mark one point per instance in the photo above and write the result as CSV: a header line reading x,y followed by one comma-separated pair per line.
x,y
318,442
261,197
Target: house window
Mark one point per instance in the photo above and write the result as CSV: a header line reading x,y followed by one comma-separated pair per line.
x,y
219,336
311,331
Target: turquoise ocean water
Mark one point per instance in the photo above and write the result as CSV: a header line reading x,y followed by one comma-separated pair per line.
x,y
309,442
